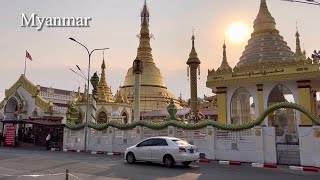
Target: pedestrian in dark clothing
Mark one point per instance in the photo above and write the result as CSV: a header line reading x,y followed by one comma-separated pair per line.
x,y
48,139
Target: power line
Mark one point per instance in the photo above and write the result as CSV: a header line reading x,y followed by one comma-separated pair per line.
x,y
312,2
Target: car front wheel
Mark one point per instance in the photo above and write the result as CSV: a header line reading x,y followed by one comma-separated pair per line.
x,y
130,158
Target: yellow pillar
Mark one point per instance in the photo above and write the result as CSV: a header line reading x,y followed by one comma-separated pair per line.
x,y
314,105
305,100
222,104
260,98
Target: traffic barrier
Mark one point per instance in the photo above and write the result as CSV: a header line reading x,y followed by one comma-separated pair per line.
x,y
234,163
260,165
204,160
55,149
301,168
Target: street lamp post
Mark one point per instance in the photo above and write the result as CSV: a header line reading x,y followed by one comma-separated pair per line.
x,y
88,85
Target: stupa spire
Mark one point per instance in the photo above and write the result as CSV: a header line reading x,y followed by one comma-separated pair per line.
x,y
104,93
298,55
224,64
144,49
264,21
103,73
193,56
151,78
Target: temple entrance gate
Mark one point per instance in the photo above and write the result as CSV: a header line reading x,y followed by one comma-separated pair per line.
x,y
287,139
287,147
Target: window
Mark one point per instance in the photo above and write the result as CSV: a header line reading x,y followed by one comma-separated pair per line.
x,y
102,118
242,107
125,118
180,142
160,142
148,142
153,142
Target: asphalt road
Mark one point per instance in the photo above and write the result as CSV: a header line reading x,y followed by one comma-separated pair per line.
x,y
15,162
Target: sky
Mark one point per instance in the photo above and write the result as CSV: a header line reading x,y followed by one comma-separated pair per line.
x,y
115,24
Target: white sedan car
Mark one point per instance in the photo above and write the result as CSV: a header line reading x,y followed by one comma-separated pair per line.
x,y
167,150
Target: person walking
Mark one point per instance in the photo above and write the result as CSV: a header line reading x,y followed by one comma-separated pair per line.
x,y
48,139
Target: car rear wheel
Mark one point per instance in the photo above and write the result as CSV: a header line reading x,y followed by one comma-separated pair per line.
x,y
130,158
168,161
186,164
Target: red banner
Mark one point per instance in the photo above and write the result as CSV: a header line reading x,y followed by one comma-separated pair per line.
x,y
10,135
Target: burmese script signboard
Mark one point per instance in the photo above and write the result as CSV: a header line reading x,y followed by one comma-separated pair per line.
x,y
10,135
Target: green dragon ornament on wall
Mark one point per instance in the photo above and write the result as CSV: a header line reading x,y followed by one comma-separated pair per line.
x,y
203,124
73,113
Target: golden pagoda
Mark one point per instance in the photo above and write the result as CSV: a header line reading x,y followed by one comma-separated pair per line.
x,y
154,94
267,72
108,107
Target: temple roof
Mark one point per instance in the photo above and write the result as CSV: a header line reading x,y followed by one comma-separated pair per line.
x,y
265,44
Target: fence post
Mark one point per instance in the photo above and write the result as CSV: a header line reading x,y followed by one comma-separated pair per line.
x,y
111,136
258,137
125,136
67,174
172,131
211,141
66,135
316,137
140,133
190,135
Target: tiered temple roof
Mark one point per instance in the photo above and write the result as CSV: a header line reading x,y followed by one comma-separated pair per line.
x,y
265,44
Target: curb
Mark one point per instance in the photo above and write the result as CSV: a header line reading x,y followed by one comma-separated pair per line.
x,y
260,165
204,160
72,150
97,152
234,163
92,152
114,154
301,168
55,149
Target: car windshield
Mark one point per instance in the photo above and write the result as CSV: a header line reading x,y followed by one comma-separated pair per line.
x,y
180,142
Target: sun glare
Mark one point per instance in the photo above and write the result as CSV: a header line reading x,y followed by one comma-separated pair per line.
x,y
238,32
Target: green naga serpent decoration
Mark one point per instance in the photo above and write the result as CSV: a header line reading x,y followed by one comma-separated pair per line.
x,y
216,124
94,81
73,112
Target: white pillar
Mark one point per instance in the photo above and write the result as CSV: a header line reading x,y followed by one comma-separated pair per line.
x,y
258,138
316,136
125,136
111,136
308,145
211,141
269,145
137,79
65,137
140,132
172,131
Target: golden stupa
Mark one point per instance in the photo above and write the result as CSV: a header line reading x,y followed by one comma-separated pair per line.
x,y
154,94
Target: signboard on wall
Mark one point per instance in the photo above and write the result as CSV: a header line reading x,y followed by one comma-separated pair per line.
x,y
10,135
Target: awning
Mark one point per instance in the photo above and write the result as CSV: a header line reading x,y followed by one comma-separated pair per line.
x,y
49,121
